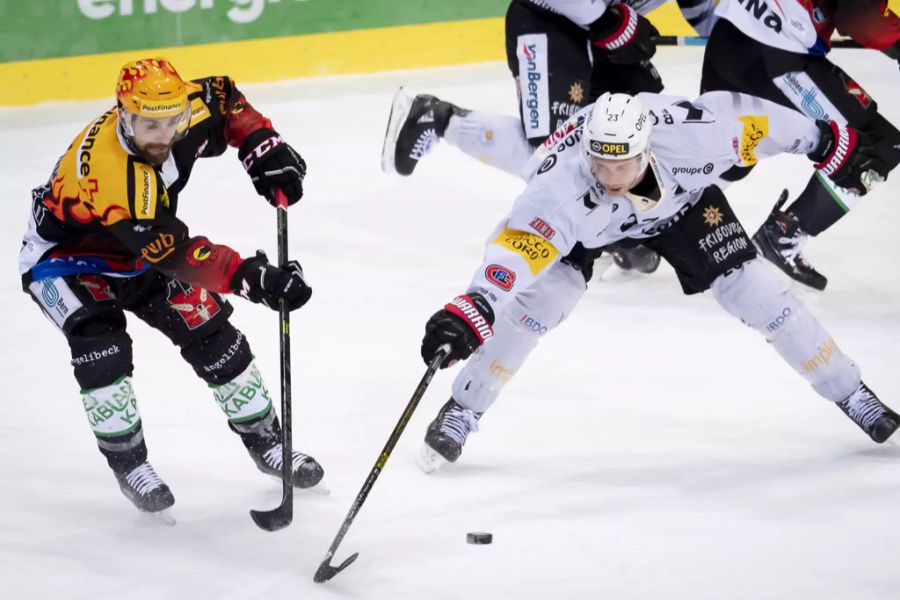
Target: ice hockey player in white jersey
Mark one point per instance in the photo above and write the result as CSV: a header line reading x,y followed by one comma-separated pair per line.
x,y
563,55
644,167
777,50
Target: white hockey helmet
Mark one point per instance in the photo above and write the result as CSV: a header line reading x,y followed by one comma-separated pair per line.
x,y
618,128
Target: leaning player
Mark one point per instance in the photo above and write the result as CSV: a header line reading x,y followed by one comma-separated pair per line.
x,y
645,167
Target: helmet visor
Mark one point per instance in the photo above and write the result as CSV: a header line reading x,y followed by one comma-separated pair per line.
x,y
159,130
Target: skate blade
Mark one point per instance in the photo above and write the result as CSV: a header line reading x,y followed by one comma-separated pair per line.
x,y
399,110
163,517
428,460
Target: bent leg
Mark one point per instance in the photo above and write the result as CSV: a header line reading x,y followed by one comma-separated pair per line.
x,y
761,300
197,321
494,139
95,328
517,331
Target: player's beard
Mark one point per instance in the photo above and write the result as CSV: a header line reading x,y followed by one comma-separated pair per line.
x,y
155,154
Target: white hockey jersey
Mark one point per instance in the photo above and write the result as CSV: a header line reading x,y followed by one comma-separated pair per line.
x,y
692,143
699,13
792,25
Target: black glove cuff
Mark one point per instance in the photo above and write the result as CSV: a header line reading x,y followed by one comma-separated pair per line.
x,y
240,273
256,144
826,142
483,306
607,24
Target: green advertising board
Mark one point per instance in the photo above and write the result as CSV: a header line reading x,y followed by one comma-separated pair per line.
x,y
40,29
54,50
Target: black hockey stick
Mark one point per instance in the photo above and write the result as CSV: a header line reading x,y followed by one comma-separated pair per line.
x,y
282,515
326,571
696,40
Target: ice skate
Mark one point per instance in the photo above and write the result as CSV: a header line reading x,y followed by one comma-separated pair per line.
x,y
639,258
866,410
415,125
307,472
780,240
446,436
145,489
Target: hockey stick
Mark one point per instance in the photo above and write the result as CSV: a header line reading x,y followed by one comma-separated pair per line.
x,y
282,515
326,571
696,40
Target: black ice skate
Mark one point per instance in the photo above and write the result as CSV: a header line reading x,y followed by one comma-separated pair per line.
x,y
780,239
307,472
867,411
414,126
145,489
446,435
639,258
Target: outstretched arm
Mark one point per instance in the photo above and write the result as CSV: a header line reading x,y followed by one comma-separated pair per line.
x,y
513,260
763,128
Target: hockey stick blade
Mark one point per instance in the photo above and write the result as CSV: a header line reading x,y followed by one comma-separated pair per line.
x,y
275,519
326,571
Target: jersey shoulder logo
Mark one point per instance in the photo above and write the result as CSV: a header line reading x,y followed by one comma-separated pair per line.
x,y
500,276
536,251
756,127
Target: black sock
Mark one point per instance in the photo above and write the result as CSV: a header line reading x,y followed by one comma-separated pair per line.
x,y
817,208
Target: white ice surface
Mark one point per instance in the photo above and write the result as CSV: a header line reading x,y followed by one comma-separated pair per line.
x,y
663,453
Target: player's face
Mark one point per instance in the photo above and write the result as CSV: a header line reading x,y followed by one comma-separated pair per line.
x,y
617,176
153,137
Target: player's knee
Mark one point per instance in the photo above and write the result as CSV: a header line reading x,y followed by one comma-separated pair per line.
x,y
220,356
532,325
101,352
755,295
531,322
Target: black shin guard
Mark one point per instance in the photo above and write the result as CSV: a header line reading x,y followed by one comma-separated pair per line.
x,y
219,357
816,208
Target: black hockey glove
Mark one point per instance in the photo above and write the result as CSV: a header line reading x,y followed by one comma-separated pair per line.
x,y
272,163
464,324
258,281
893,52
848,157
625,36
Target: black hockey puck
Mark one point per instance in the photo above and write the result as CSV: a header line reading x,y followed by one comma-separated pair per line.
x,y
479,537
